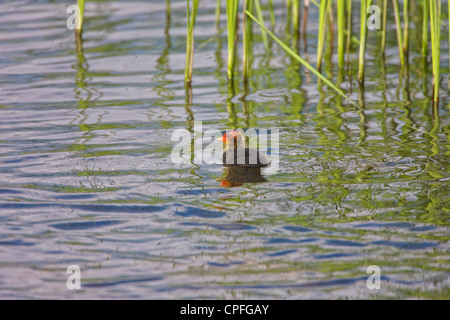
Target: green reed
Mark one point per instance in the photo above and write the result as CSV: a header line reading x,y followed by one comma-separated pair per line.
x,y
341,31
321,37
288,19
78,36
363,38
79,26
425,19
232,9
247,41
435,33
330,15
299,59
406,27
399,32
431,10
383,28
295,14
191,15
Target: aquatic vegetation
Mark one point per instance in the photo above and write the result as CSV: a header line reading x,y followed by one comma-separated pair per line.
x,y
399,32
341,31
191,15
435,23
363,38
302,61
79,27
247,41
232,9
429,11
321,35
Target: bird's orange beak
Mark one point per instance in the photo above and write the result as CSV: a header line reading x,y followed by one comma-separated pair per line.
x,y
223,138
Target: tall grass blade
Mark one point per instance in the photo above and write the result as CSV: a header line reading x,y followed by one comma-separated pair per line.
x,y
232,9
322,24
299,59
330,16
330,40
296,24
363,38
288,18
260,17
399,31
383,31
168,12
191,16
406,28
79,26
247,25
435,22
426,17
341,31
295,14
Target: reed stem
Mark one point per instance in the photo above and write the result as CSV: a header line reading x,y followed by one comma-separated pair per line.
x,y
322,24
435,15
341,31
191,17
383,32
232,9
363,39
399,32
425,17
247,25
79,26
295,15
406,28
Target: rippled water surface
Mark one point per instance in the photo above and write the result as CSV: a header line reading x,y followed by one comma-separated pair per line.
x,y
86,176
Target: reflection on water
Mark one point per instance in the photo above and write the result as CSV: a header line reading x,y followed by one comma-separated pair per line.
x,y
86,176
236,176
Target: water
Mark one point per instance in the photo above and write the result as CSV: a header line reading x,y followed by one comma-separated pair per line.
x,y
86,176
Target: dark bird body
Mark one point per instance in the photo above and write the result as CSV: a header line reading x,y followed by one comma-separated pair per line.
x,y
236,155
252,159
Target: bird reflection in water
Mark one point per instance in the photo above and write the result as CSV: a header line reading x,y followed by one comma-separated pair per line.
x,y
236,176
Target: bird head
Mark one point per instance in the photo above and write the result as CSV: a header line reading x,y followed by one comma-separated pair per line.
x,y
233,139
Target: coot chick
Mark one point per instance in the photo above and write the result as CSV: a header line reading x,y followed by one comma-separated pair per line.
x,y
236,154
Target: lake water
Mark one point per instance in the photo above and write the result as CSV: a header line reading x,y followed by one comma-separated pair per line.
x,y
86,176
